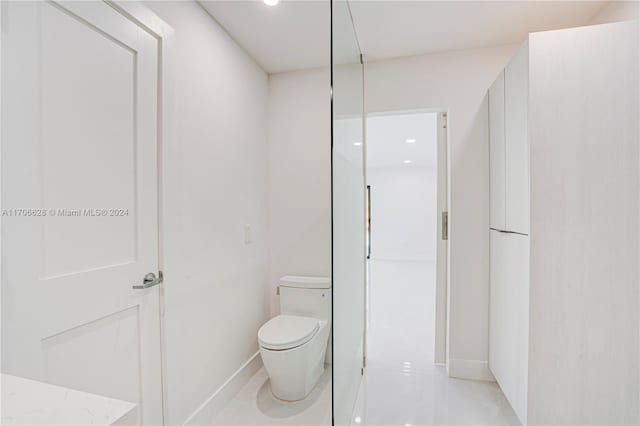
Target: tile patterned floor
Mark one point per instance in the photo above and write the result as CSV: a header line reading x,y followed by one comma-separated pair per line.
x,y
401,385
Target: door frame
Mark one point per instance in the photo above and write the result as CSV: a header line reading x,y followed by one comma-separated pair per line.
x,y
443,204
146,19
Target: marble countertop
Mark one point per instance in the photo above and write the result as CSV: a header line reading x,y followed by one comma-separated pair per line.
x,y
29,402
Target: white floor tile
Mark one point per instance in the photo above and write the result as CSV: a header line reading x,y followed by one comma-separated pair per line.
x,y
255,405
401,385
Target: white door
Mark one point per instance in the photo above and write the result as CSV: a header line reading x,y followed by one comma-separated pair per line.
x,y
442,238
79,199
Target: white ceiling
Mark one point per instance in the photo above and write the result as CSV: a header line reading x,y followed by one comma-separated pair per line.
x,y
295,34
290,36
388,29
387,135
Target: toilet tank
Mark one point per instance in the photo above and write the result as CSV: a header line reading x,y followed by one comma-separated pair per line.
x,y
305,296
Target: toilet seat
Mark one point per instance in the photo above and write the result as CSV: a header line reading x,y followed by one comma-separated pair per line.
x,y
287,332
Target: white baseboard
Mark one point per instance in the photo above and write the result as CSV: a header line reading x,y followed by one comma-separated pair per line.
x,y
470,369
205,414
402,259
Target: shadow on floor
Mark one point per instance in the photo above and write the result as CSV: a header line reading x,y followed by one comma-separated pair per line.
x,y
271,406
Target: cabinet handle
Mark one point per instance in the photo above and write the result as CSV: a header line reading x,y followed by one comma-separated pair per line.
x,y
502,231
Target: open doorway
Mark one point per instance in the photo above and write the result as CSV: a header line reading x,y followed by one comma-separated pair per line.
x,y
406,174
407,224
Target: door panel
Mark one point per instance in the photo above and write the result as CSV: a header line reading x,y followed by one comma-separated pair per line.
x,y
442,237
81,65
118,375
517,142
497,154
79,115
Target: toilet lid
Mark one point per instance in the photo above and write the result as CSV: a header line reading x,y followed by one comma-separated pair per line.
x,y
287,332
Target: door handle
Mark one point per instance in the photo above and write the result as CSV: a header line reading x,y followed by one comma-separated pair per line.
x,y
445,225
149,280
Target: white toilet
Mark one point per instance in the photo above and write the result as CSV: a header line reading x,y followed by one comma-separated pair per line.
x,y
293,344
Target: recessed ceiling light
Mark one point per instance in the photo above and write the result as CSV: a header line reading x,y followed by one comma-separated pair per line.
x,y
271,2
357,143
407,161
410,140
357,419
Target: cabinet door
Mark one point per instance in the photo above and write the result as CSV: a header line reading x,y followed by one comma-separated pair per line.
x,y
509,316
496,253
497,153
517,143
501,321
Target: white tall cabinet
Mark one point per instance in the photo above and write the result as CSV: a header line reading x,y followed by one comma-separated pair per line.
x,y
509,229
564,227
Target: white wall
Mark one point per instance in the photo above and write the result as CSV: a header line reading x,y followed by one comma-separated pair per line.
x,y
299,176
403,213
456,81
215,182
616,11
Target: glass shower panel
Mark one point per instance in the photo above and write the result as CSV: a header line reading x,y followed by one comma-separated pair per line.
x,y
348,214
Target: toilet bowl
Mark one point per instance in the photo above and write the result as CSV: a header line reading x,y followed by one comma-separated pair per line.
x,y
293,344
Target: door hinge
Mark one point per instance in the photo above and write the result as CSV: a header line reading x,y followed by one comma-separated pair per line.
x,y
277,290
445,225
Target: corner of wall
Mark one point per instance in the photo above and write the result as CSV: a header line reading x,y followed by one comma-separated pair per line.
x,y
206,413
470,370
616,11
